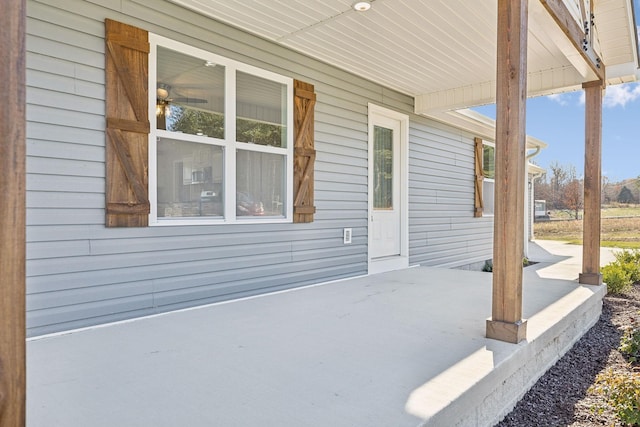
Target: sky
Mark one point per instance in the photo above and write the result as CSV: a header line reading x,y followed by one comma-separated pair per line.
x,y
558,120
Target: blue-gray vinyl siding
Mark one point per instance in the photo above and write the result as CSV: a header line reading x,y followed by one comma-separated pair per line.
x,y
80,273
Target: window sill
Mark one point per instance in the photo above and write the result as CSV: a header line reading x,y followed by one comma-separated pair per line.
x,y
211,221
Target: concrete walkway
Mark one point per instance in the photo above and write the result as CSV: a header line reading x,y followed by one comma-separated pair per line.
x,y
404,348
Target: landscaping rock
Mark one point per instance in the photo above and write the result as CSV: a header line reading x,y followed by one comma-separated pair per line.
x,y
560,396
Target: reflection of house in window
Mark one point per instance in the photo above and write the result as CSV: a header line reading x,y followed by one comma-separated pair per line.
x,y
197,171
259,182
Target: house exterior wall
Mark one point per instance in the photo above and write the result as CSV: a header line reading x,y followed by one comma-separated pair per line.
x,y
80,273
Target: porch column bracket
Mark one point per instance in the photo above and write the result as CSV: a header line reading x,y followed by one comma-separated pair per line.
x,y
506,323
592,184
579,36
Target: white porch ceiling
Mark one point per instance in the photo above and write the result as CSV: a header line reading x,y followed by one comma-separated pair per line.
x,y
442,52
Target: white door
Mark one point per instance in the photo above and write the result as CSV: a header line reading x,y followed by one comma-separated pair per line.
x,y
387,181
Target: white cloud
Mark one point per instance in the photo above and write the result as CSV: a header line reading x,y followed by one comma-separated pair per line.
x,y
617,95
621,94
560,98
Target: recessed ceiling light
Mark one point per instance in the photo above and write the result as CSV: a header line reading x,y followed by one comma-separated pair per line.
x,y
361,6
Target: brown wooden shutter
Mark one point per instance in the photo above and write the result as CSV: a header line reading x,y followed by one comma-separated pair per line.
x,y
479,203
127,73
304,101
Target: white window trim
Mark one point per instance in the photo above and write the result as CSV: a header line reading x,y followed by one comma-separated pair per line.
x,y
229,143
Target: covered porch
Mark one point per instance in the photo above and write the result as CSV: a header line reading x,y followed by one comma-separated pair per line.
x,y
406,347
382,350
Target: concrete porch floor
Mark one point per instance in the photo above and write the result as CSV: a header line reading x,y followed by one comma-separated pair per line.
x,y
404,348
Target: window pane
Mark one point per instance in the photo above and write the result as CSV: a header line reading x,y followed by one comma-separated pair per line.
x,y
190,94
488,188
261,108
488,161
260,179
382,168
190,179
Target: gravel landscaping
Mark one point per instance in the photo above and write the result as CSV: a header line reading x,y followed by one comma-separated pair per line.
x,y
560,396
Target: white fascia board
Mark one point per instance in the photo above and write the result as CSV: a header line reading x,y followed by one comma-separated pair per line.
x,y
535,169
533,142
545,82
622,73
478,124
456,98
484,128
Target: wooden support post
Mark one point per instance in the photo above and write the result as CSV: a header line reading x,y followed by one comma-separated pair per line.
x,y
506,322
592,184
12,214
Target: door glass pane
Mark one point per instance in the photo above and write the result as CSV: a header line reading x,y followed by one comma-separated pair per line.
x,y
382,168
260,179
190,179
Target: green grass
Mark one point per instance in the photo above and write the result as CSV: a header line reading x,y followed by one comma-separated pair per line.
x,y
618,244
618,210
608,211
604,243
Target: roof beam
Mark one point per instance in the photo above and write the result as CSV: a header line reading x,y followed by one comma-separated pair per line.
x,y
576,35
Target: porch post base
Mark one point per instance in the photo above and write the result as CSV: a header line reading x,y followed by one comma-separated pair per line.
x,y
507,331
590,279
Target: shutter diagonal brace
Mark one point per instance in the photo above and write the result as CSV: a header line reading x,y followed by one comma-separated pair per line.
x,y
301,150
137,100
304,126
309,154
479,175
124,156
127,125
304,183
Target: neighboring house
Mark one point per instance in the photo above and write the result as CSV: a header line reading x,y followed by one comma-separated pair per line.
x,y
175,160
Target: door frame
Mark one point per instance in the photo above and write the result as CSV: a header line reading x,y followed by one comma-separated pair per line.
x,y
378,265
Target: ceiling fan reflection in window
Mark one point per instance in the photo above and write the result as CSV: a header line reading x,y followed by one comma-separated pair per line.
x,y
164,99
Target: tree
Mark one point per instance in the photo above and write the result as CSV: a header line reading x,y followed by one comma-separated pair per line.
x,y
572,192
604,199
573,197
542,189
561,188
625,195
558,181
195,122
210,123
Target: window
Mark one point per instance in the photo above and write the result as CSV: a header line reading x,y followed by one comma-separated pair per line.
x,y
221,150
489,174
